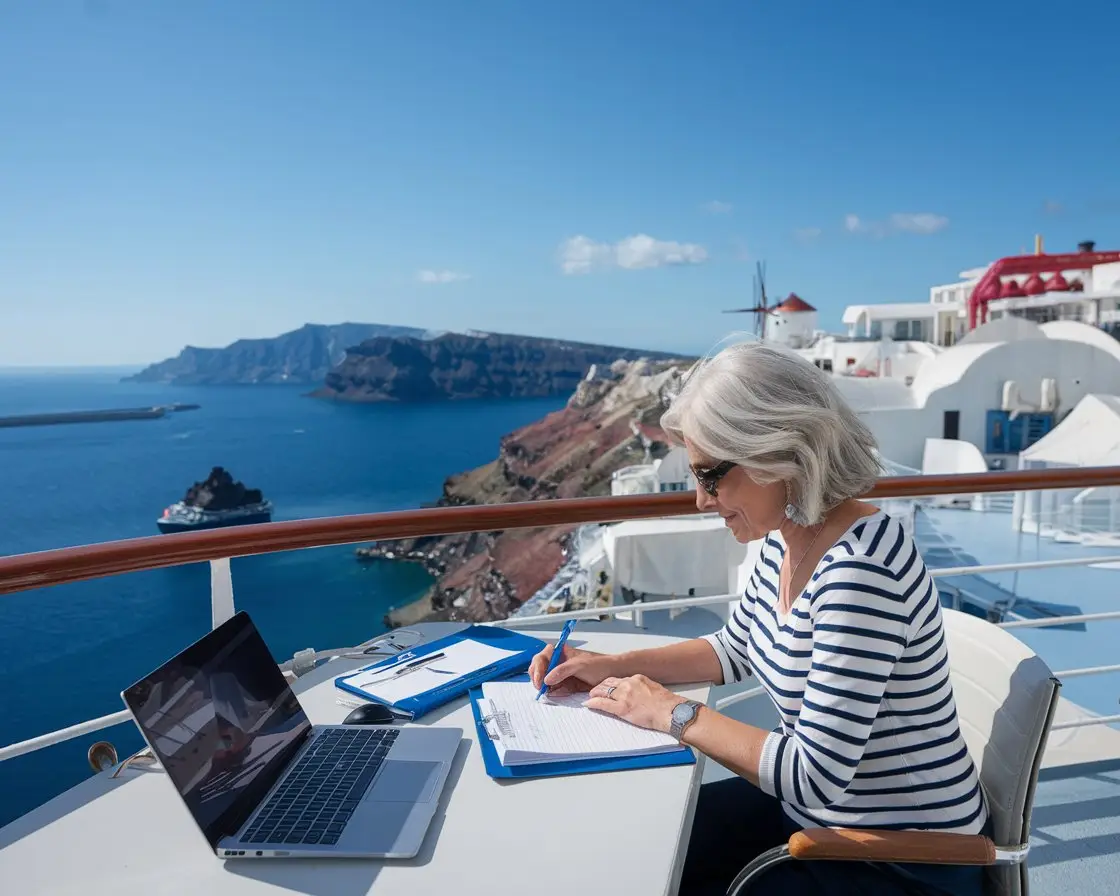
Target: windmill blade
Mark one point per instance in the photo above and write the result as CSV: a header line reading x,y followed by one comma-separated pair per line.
x,y
761,302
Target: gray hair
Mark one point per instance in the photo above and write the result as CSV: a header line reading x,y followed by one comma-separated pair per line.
x,y
781,418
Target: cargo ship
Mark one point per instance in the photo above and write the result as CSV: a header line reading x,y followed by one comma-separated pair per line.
x,y
215,502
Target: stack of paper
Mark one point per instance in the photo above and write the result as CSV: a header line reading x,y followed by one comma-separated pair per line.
x,y
526,731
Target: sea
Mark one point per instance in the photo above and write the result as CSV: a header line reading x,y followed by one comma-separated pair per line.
x,y
66,652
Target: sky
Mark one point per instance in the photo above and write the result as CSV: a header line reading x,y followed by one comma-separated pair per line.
x,y
194,173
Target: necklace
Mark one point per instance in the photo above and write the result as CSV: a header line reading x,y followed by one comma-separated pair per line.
x,y
797,565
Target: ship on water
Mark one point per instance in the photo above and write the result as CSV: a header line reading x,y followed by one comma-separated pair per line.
x,y
215,502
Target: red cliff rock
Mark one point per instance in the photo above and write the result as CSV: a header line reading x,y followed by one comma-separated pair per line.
x,y
570,453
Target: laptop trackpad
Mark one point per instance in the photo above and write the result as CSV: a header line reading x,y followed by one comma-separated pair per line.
x,y
406,781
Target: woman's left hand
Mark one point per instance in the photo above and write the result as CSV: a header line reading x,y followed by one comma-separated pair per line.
x,y
637,699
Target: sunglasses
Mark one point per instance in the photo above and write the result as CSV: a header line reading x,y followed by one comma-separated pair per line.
x,y
709,479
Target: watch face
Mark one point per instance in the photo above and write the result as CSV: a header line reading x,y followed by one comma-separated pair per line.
x,y
682,712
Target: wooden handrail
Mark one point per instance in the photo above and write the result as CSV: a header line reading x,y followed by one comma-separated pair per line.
x,y
55,567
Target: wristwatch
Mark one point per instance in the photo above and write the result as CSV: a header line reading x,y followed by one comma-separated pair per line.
x,y
684,714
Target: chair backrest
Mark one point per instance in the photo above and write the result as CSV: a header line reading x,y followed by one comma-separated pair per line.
x,y
1006,697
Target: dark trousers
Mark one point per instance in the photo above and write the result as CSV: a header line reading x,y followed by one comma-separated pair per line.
x,y
735,821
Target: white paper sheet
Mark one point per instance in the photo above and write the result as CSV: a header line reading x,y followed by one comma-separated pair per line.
x,y
459,658
557,729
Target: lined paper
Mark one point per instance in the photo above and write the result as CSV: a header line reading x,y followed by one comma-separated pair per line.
x,y
558,729
459,659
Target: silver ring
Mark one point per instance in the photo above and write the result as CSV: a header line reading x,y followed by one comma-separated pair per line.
x,y
610,690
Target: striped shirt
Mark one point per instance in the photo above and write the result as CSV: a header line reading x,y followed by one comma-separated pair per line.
x,y
859,673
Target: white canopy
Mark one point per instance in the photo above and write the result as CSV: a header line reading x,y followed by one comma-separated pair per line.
x,y
670,556
1088,437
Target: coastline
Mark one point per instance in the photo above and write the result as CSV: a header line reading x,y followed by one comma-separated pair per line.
x,y
610,422
420,610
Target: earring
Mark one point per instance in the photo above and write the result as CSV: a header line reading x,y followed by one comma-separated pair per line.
x,y
793,512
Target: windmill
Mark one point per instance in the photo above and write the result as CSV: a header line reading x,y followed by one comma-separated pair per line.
x,y
760,308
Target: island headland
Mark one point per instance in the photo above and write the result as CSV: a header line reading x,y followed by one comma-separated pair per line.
x,y
456,366
302,357
380,362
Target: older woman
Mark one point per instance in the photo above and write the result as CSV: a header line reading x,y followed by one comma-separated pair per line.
x,y
841,625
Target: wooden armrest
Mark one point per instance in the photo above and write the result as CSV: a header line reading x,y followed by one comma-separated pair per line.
x,y
926,847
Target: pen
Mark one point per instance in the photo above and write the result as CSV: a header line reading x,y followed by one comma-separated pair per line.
x,y
400,670
557,651
404,668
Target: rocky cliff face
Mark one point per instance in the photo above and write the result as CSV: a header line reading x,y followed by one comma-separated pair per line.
x,y
460,366
302,356
570,453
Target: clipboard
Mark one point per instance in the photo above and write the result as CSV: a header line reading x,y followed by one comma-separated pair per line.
x,y
495,769
526,648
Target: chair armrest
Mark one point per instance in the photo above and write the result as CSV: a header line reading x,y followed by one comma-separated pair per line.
x,y
924,847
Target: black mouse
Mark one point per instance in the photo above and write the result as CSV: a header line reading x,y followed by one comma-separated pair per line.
x,y
370,714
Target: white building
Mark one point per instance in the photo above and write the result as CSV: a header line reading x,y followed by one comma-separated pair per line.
x,y
1082,286
1000,395
906,321
670,473
882,358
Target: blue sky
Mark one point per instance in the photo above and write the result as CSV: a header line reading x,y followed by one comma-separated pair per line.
x,y
175,173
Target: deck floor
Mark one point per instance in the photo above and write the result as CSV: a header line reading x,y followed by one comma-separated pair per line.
x,y
1075,831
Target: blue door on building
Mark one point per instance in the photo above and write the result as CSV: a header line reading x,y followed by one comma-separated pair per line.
x,y
1007,436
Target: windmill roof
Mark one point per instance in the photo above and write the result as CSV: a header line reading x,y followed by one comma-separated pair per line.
x,y
794,302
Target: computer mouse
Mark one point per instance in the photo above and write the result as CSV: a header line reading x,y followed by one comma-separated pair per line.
x,y
370,714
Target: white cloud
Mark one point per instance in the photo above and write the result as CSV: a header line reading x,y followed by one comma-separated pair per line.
x,y
718,207
441,276
923,223
918,222
807,234
582,255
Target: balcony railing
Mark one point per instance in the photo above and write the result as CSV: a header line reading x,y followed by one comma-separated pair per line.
x,y
54,567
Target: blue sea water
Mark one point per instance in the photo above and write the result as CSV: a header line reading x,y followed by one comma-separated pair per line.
x,y
66,652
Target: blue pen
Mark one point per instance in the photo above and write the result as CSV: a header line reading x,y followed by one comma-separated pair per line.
x,y
557,651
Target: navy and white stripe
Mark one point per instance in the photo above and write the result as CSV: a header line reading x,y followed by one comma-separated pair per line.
x,y
859,673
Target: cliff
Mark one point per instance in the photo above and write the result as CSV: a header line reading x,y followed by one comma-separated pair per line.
x,y
570,453
461,366
302,356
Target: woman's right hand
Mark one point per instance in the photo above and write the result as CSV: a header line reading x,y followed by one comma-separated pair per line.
x,y
578,670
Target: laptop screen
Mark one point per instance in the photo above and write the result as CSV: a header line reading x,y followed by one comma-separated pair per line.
x,y
223,723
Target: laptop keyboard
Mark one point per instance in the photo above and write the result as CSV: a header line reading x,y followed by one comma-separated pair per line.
x,y
322,790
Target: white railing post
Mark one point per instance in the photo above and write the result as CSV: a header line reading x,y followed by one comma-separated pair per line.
x,y
637,617
221,592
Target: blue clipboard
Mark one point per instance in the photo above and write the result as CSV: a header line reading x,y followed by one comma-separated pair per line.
x,y
495,769
527,647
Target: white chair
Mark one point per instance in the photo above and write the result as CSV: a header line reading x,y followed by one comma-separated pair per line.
x,y
1006,697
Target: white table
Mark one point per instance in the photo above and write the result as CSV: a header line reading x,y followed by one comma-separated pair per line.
x,y
617,832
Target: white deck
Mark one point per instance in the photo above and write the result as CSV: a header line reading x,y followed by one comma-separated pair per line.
x,y
133,837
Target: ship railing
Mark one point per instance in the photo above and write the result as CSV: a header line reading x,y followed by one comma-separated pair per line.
x,y
218,546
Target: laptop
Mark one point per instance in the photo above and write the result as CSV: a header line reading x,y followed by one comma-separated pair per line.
x,y
261,781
